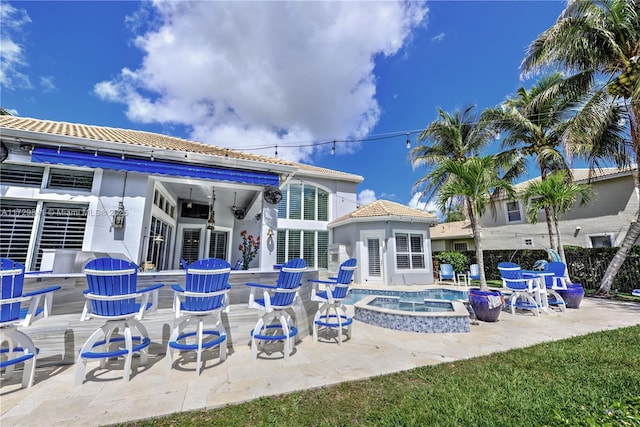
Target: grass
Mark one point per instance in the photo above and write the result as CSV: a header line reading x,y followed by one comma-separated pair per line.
x,y
591,380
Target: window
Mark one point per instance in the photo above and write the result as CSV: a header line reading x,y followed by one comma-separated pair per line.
x,y
164,204
62,227
304,202
67,178
158,243
27,176
513,212
410,251
460,246
218,245
16,223
601,241
314,244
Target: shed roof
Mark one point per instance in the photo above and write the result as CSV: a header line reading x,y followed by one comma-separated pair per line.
x,y
385,210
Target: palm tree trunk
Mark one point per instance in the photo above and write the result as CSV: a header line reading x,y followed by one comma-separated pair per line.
x,y
563,257
477,241
633,233
553,237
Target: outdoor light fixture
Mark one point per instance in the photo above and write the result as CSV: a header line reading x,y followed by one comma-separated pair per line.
x,y
190,202
211,221
577,230
408,141
333,148
118,216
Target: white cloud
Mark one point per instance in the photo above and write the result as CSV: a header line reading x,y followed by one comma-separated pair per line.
x,y
438,38
253,74
12,59
366,196
417,204
47,84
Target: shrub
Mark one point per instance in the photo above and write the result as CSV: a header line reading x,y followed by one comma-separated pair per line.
x,y
458,260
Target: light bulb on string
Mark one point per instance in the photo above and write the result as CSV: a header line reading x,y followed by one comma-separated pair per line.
x,y
276,150
408,141
333,148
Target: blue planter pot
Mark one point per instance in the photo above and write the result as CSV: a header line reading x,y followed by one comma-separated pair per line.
x,y
484,304
573,295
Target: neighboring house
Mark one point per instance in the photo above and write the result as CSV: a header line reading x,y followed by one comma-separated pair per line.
x,y
391,242
603,223
454,236
156,199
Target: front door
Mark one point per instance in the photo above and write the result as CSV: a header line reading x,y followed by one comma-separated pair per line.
x,y
373,273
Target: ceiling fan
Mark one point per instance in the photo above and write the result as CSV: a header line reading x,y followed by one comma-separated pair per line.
x,y
272,195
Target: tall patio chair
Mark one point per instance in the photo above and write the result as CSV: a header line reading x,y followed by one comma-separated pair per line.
x,y
16,346
474,272
112,296
332,313
447,273
555,282
526,291
201,301
276,323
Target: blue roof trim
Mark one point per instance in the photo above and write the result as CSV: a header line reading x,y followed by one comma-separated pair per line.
x,y
47,155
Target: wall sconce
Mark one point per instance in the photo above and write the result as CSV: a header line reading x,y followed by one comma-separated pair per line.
x,y
270,232
577,230
118,216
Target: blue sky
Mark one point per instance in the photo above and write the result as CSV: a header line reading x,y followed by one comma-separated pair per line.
x,y
253,75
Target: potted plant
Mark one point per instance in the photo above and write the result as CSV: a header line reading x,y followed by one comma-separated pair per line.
x,y
249,248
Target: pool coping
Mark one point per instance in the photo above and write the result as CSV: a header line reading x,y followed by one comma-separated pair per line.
x,y
459,310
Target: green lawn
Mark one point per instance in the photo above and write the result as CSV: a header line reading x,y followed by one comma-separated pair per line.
x,y
591,380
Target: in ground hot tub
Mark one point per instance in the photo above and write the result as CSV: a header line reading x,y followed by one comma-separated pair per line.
x,y
428,315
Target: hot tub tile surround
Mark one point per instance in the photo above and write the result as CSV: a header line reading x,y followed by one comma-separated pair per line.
x,y
456,320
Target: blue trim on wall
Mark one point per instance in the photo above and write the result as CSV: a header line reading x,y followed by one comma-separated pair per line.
x,y
47,155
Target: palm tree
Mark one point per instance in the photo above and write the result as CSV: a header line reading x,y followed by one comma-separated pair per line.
x,y
472,180
558,194
456,137
534,121
599,41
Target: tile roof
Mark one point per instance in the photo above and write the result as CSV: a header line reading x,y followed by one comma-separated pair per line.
x,y
152,141
582,175
384,208
449,230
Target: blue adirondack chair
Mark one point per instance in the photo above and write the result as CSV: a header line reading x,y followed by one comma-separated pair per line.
x,y
447,273
332,313
555,282
526,292
17,346
112,296
474,272
203,299
276,323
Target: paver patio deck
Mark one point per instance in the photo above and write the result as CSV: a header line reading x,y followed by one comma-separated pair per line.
x,y
155,390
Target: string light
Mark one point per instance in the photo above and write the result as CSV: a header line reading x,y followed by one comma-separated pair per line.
x,y
408,141
58,149
333,148
95,154
122,156
152,158
276,150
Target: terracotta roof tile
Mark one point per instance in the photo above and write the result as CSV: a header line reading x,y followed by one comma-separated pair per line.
x,y
385,208
151,140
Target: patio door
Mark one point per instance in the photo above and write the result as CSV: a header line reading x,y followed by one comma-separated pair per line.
x,y
196,242
373,271
191,243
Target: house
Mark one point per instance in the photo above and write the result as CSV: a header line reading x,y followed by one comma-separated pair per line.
x,y
454,236
603,223
391,242
69,192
